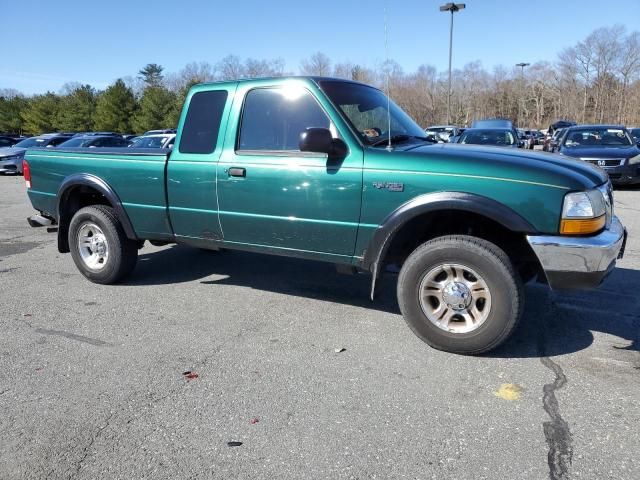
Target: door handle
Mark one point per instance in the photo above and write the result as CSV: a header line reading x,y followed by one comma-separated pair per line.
x,y
237,172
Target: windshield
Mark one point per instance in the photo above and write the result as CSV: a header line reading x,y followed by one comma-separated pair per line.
x,y
487,137
148,142
32,142
76,142
597,137
366,110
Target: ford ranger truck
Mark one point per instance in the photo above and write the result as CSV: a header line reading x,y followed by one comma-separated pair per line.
x,y
329,170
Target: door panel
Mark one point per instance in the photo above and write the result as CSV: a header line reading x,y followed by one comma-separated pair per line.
x,y
288,199
291,201
191,170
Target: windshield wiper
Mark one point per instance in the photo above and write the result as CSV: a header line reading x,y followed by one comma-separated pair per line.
x,y
398,138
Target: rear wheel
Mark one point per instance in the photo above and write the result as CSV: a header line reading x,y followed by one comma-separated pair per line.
x,y
99,247
460,294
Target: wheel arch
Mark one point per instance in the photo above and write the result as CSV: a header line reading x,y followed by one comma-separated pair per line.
x,y
81,190
430,205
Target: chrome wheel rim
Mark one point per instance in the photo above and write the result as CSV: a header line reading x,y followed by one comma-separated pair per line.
x,y
93,246
455,298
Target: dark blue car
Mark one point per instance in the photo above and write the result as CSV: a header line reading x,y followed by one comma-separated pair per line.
x,y
607,146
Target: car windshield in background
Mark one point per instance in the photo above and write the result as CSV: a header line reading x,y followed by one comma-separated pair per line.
x,y
31,142
148,142
488,137
366,110
75,142
597,137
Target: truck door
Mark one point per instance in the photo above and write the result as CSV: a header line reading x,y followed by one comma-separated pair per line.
x,y
191,170
270,193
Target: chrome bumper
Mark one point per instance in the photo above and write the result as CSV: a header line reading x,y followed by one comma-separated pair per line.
x,y
579,262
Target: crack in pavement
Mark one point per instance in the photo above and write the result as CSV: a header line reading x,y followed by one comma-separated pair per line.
x,y
557,432
178,388
94,437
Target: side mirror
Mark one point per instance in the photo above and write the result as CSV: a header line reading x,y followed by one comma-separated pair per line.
x,y
320,140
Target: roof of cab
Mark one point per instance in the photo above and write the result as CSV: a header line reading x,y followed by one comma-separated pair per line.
x,y
315,79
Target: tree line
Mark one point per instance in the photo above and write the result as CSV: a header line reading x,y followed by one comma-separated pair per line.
x,y
597,80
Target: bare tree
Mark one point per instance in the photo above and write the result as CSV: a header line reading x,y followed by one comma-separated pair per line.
x,y
318,64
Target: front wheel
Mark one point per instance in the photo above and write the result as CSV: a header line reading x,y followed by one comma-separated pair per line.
x,y
99,247
460,294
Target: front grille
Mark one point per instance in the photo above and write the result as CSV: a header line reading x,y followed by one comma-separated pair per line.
x,y
605,162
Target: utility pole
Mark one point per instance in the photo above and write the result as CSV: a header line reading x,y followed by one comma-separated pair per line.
x,y
453,8
521,102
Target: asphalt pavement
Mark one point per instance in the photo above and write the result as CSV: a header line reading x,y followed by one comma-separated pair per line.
x,y
153,378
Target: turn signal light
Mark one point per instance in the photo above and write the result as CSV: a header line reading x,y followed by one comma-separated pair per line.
x,y
582,226
26,172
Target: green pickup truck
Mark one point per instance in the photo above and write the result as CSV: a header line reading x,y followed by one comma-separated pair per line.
x,y
331,170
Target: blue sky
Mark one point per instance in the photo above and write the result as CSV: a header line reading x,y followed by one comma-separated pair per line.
x,y
51,43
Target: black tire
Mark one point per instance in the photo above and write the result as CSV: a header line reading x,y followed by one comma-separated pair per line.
x,y
122,252
495,268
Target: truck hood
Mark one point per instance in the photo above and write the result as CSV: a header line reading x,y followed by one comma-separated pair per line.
x,y
558,169
601,152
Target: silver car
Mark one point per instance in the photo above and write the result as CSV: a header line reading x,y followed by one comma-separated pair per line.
x,y
11,157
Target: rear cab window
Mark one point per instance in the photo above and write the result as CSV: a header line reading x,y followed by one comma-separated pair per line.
x,y
202,122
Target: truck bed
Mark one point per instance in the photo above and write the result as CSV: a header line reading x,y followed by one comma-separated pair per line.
x,y
136,175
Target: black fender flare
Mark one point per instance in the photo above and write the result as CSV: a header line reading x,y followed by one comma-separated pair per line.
x,y
97,183
373,259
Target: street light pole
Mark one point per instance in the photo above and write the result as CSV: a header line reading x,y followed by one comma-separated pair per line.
x,y
453,8
521,102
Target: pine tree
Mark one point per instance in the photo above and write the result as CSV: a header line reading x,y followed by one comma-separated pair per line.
x,y
173,116
115,109
151,74
77,109
155,105
10,108
41,114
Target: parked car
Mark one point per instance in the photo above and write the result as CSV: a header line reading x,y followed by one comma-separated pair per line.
x,y
493,123
84,134
551,142
301,167
500,137
560,124
538,137
155,132
442,133
6,141
503,123
11,157
607,146
95,141
154,141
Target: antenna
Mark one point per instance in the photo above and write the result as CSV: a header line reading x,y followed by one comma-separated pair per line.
x,y
388,92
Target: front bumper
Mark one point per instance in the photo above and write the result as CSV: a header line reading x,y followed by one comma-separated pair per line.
x,y
625,174
579,262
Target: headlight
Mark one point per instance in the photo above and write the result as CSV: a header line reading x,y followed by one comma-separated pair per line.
x,y
634,160
583,213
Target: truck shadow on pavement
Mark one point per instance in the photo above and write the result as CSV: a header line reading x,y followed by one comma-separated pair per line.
x,y
554,323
